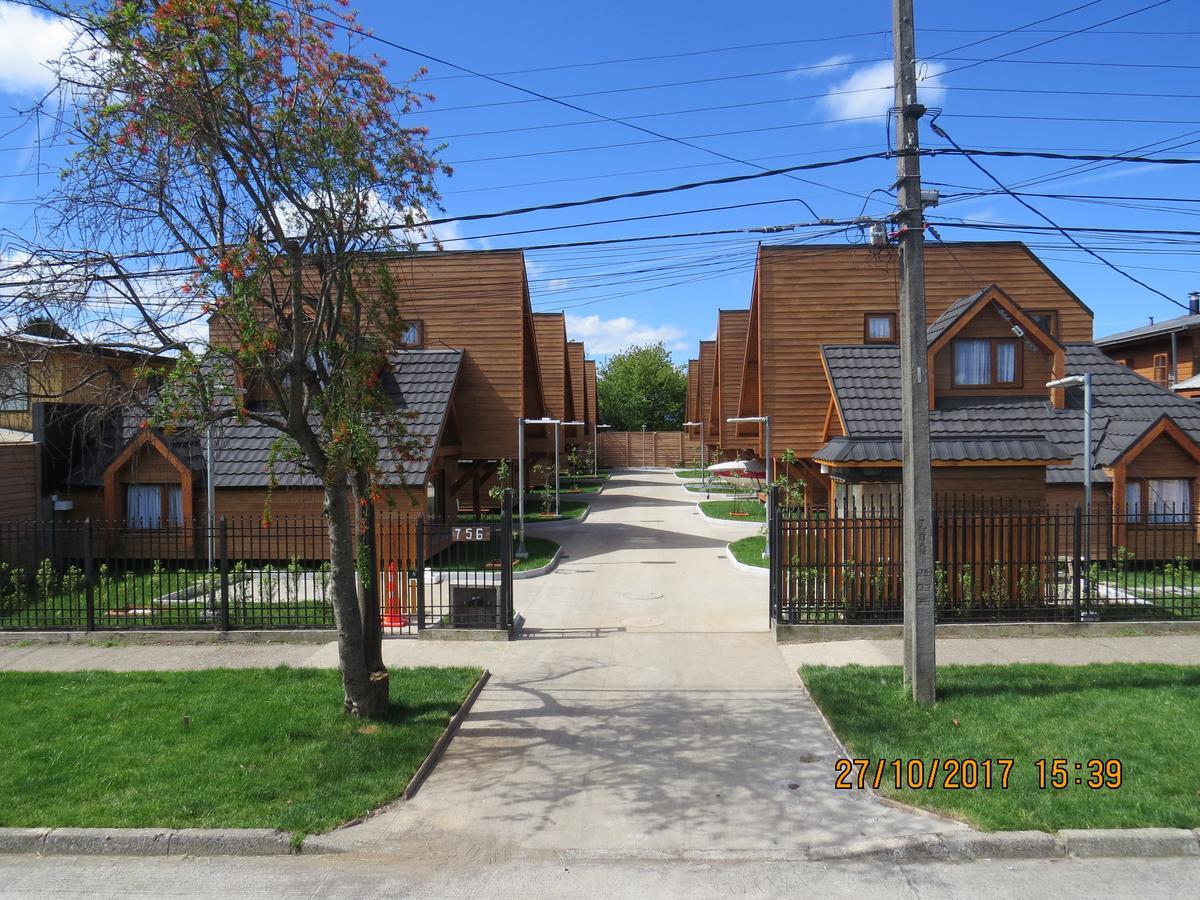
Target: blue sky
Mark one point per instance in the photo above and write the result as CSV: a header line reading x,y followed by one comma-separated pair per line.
x,y
796,95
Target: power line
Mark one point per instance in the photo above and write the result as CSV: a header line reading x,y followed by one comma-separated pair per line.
x,y
941,132
1024,27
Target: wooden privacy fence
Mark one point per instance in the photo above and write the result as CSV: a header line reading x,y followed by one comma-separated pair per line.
x,y
660,449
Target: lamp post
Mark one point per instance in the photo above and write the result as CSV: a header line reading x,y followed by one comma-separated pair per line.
x,y
703,454
543,421
521,552
556,469
596,447
1084,381
765,421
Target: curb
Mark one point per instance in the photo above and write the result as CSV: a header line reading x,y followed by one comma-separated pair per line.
x,y
182,636
147,841
950,847
435,754
540,570
531,522
727,522
761,571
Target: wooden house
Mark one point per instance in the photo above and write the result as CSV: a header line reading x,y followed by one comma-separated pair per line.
x,y
1166,353
725,440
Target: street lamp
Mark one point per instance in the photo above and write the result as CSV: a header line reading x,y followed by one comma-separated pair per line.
x,y
703,454
1084,381
765,421
523,553
596,447
556,469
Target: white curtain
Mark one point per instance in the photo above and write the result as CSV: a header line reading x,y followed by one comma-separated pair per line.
x,y
1170,500
1006,362
972,362
143,506
879,328
1133,501
174,506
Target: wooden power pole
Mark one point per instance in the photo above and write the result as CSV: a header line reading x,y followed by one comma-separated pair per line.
x,y
920,674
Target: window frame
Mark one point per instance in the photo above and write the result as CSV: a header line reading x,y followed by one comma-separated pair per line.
x,y
893,327
406,324
21,371
164,505
1145,514
1051,328
1165,381
993,343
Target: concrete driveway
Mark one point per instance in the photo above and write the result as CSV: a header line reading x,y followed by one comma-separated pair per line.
x,y
646,711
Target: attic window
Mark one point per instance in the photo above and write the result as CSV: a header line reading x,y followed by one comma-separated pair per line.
x,y
1161,370
411,333
879,328
986,362
14,388
1045,319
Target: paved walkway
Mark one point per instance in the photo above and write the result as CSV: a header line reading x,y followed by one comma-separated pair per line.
x,y
647,709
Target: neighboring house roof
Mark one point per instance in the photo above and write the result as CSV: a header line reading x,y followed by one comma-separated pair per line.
x,y
419,382
953,313
844,450
866,385
1158,329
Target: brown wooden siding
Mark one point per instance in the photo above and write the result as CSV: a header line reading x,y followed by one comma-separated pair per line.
x,y
708,367
577,372
1024,485
1139,355
732,325
593,402
551,332
693,378
810,296
1035,364
19,482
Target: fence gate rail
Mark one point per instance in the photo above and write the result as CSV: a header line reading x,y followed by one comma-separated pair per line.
x,y
464,579
992,564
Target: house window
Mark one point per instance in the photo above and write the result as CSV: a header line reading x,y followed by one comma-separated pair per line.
x,y
411,334
984,362
1161,370
1169,501
14,388
152,505
1045,319
879,328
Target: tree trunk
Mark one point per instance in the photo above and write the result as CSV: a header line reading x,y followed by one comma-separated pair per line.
x,y
366,694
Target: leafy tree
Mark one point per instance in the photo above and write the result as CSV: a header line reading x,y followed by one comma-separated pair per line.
x,y
641,386
245,142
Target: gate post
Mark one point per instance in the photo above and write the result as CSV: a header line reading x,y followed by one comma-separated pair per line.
x,y
420,567
775,560
506,569
223,550
89,574
1076,561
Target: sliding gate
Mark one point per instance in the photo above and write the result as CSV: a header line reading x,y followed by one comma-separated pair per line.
x,y
464,574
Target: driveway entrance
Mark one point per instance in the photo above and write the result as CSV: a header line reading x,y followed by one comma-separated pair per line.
x,y
644,560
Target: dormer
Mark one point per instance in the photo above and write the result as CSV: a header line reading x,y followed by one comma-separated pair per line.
x,y
986,346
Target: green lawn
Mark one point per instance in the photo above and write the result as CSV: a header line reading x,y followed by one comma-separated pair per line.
x,y
469,556
569,509
717,487
64,602
723,509
749,550
689,474
265,748
1146,716
582,486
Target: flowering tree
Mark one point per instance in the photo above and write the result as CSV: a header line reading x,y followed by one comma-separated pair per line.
x,y
259,163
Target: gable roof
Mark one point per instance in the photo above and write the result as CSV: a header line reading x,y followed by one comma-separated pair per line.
x,y
866,385
1158,329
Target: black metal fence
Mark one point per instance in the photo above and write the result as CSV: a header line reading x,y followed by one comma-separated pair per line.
x,y
465,580
991,565
244,573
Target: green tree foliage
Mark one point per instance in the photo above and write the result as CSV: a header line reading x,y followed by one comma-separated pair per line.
x,y
641,386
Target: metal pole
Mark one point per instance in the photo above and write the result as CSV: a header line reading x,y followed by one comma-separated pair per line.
x,y
211,492
770,485
704,459
1087,481
920,673
643,446
595,450
557,426
521,553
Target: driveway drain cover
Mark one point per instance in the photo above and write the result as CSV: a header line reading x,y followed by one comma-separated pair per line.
x,y
641,622
642,595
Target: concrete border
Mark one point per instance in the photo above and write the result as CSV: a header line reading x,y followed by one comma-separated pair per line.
x,y
533,522
802,634
761,571
150,636
727,523
435,754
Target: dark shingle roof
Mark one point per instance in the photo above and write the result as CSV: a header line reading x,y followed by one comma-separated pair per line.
x,y
419,382
866,383
1000,449
1179,323
953,313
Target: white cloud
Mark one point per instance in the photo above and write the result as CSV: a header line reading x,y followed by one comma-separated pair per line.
x,y
28,41
604,336
869,91
822,68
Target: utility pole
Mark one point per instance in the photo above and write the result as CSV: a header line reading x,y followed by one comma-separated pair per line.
x,y
920,672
